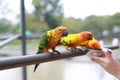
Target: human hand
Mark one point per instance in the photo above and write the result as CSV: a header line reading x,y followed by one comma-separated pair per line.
x,y
108,62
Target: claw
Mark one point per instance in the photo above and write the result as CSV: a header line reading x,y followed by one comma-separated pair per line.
x,y
52,55
74,49
53,49
56,51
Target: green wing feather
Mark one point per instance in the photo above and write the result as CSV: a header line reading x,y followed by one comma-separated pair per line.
x,y
42,44
43,41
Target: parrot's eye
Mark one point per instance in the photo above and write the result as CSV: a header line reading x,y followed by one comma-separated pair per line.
x,y
86,35
59,30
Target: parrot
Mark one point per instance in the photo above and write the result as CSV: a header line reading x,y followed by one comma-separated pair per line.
x,y
74,40
91,44
50,39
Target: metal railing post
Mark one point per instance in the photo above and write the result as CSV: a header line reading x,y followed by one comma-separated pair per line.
x,y
23,37
5,42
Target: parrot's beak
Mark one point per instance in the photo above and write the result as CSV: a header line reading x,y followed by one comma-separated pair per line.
x,y
90,38
65,33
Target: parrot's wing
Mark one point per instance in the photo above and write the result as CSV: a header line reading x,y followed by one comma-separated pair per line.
x,y
69,40
84,43
44,40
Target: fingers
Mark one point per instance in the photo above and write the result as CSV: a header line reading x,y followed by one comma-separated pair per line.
x,y
103,57
99,60
95,58
107,54
104,53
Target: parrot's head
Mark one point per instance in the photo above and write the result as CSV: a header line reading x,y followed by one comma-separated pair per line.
x,y
61,30
94,44
87,35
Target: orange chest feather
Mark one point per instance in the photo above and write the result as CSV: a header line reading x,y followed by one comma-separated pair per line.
x,y
53,42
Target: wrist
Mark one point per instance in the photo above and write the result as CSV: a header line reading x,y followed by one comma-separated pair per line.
x,y
118,71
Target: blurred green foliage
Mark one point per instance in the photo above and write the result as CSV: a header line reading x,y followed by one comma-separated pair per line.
x,y
34,24
49,10
74,25
49,14
5,25
95,24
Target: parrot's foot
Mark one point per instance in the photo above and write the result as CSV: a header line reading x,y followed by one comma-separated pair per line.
x,y
74,49
52,55
77,49
70,49
55,51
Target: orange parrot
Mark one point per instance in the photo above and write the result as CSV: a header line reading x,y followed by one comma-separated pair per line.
x,y
50,40
91,44
74,40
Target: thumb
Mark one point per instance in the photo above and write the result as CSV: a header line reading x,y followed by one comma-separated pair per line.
x,y
96,59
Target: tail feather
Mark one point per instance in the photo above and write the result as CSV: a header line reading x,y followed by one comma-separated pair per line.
x,y
39,51
36,64
36,67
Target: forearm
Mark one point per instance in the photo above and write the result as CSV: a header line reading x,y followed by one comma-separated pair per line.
x,y
117,74
113,67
